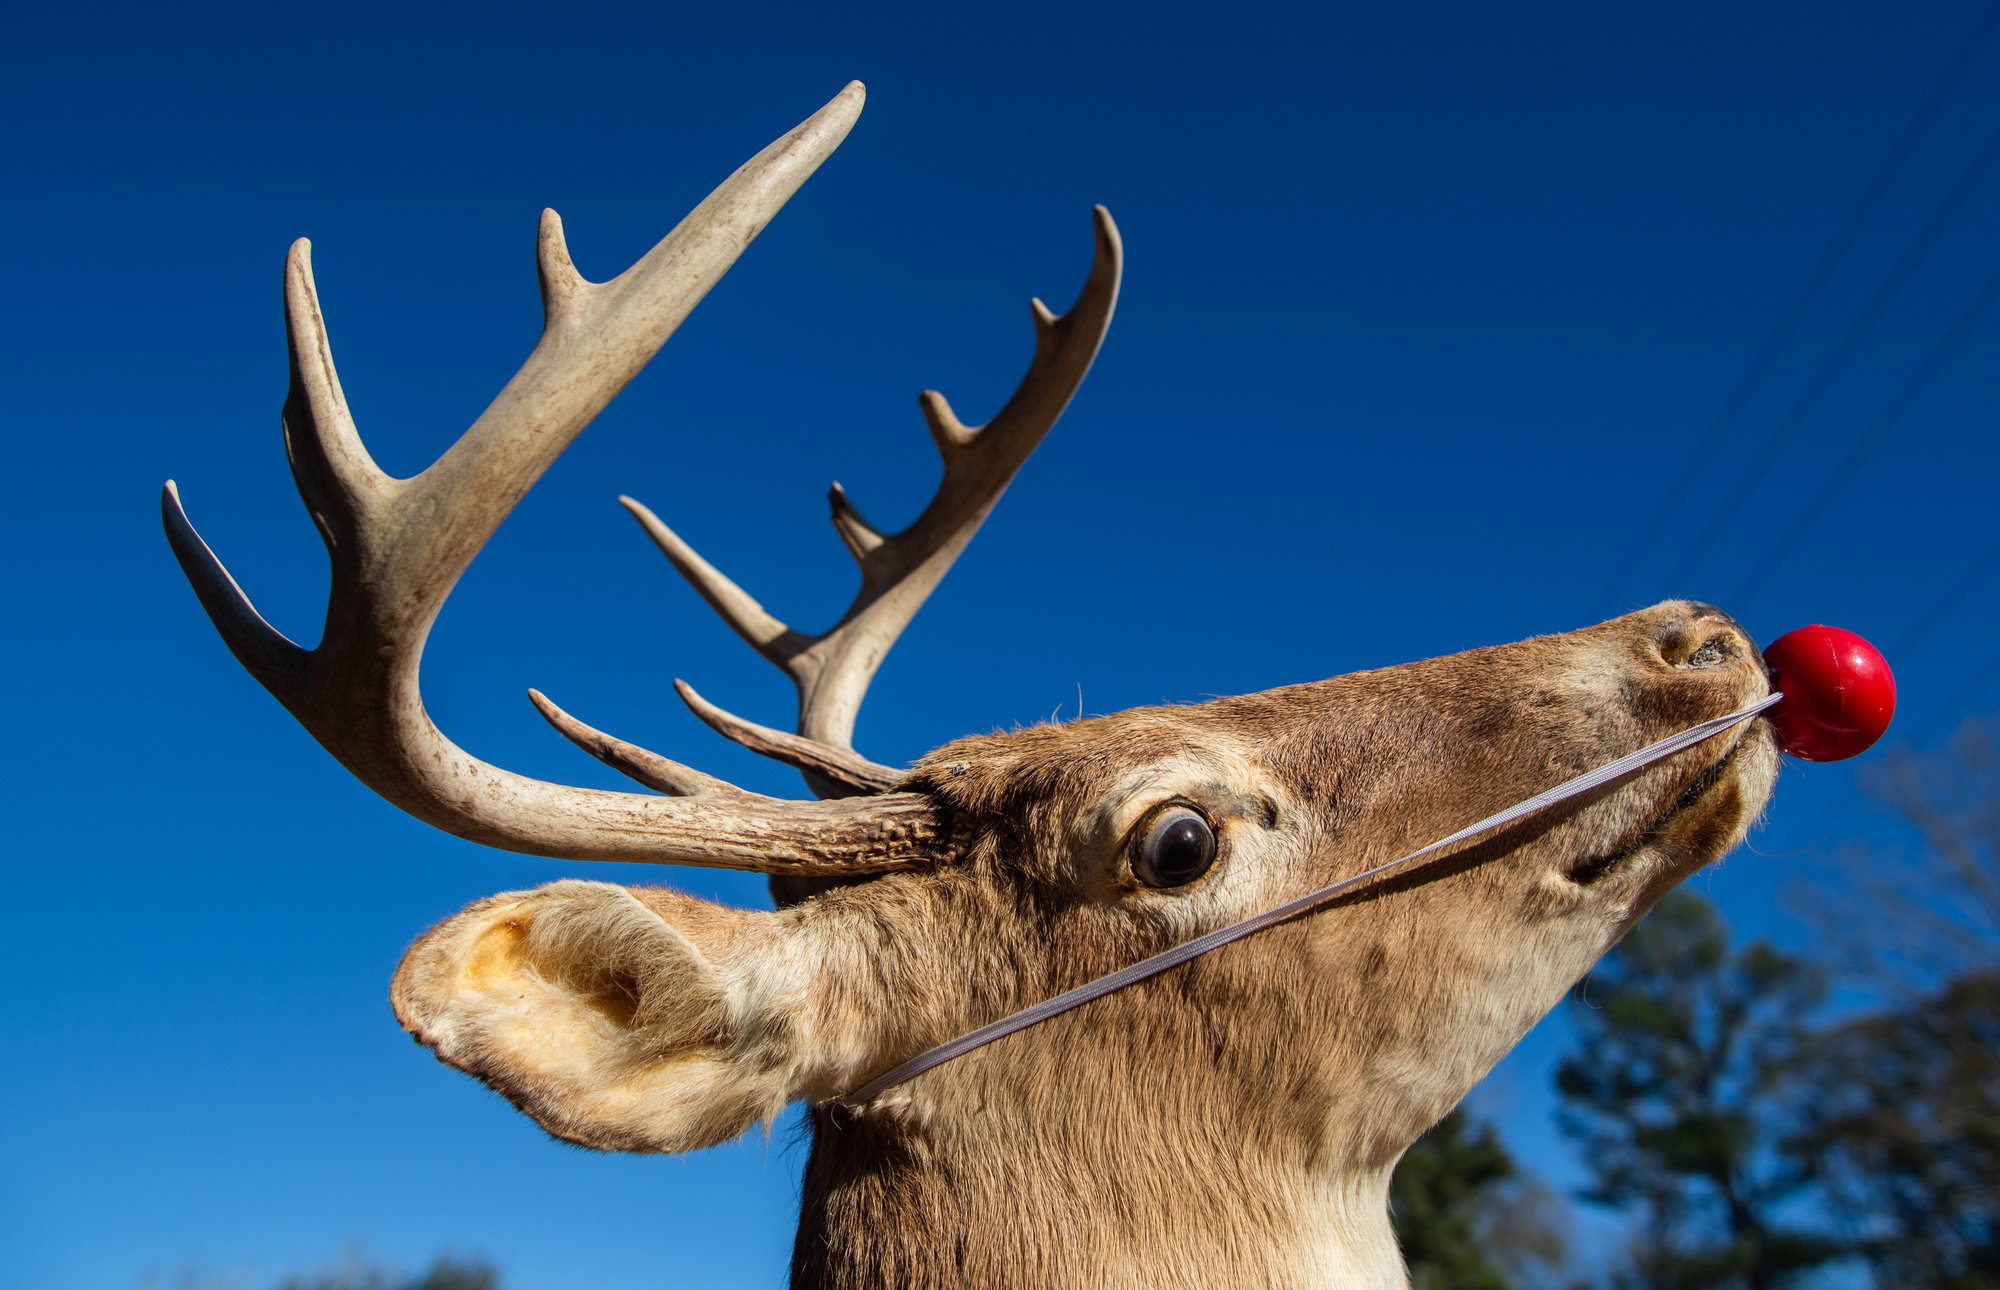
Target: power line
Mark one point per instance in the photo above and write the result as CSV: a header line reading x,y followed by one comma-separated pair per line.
x,y
1963,696
1795,313
1928,621
1892,415
1871,313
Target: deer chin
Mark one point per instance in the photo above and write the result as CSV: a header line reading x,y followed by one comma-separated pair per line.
x,y
1706,816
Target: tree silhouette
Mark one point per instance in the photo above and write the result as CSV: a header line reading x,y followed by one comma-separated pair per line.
x,y
1467,1218
1435,1201
1904,1128
445,1273
1903,1125
1681,1089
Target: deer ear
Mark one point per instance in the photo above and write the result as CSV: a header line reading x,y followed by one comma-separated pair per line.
x,y
609,1014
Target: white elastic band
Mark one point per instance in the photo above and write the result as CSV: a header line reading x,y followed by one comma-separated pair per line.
x,y
1200,945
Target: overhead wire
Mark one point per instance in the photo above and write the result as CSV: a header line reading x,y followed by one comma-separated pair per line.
x,y
1962,697
1829,371
1927,622
1941,608
1836,250
1890,417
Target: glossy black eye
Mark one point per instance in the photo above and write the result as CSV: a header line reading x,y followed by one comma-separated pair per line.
x,y
1176,848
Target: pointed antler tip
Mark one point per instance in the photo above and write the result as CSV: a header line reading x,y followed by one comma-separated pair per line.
x,y
565,725
1107,230
836,116
860,536
549,237
848,103
713,717
547,707
641,512
174,515
648,521
947,431
561,282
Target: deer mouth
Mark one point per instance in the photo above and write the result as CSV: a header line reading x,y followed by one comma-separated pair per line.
x,y
1596,868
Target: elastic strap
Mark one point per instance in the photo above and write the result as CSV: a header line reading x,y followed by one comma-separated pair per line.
x,y
1200,945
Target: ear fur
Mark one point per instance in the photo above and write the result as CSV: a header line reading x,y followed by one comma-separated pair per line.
x,y
607,1013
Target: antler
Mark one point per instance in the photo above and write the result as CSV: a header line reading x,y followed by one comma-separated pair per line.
x,y
397,546
898,571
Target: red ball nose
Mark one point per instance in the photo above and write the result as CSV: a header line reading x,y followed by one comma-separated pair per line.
x,y
1839,692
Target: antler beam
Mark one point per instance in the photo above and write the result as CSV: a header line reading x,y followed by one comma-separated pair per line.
x,y
398,546
899,571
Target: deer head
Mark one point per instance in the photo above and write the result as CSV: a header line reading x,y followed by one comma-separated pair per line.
x,y
1231,1122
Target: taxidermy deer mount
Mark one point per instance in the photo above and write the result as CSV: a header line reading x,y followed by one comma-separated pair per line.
x,y
1231,1122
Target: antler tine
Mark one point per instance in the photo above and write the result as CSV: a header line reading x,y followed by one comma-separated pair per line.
x,y
899,571
732,604
264,651
649,768
849,771
397,546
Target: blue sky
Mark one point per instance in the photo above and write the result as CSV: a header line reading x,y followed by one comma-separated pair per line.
x,y
1427,308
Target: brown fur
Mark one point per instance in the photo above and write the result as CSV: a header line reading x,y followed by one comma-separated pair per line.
x,y
1232,1122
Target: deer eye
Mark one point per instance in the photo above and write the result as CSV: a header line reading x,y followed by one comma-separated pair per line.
x,y
1176,847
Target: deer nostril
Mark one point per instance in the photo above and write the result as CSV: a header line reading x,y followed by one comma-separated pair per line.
x,y
1708,621
1713,651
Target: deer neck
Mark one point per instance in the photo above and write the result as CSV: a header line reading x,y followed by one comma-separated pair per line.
x,y
1080,1205
1174,1133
